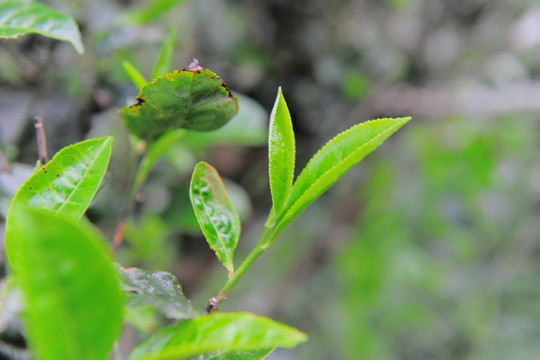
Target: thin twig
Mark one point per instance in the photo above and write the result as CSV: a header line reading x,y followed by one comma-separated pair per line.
x,y
4,163
42,142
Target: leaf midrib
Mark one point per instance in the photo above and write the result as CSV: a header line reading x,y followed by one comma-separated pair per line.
x,y
87,169
289,208
221,241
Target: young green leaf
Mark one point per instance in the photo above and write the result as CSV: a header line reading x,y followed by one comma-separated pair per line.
x,y
159,290
193,99
151,11
20,17
73,303
163,62
332,161
217,218
65,186
281,153
154,152
134,75
219,331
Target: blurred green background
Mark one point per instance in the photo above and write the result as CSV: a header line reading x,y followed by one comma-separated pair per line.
x,y
429,249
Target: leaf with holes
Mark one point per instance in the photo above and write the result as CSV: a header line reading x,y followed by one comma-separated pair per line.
x,y
20,17
217,218
193,98
238,332
332,161
73,303
65,186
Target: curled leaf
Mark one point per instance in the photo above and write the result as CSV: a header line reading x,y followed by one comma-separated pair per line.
x,y
193,98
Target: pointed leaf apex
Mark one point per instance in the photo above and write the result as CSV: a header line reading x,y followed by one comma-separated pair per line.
x,y
332,161
217,218
281,153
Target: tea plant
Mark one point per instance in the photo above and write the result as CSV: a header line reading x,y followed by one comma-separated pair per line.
x,y
75,296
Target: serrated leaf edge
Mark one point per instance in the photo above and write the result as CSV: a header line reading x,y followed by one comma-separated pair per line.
x,y
286,196
229,255
107,140
289,208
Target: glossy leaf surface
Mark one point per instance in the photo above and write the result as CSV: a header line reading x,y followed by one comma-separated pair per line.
x,y
281,153
72,295
159,290
219,331
20,17
193,99
217,218
65,186
332,161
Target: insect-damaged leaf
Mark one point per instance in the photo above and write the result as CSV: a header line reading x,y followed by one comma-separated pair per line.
x,y
217,218
193,99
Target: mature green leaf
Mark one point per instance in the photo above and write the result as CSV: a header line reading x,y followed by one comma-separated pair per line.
x,y
193,99
281,153
160,290
20,17
150,12
216,216
219,331
244,355
332,161
163,62
134,75
71,291
249,127
66,185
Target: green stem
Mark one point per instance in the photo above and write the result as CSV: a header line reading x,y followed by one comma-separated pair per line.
x,y
261,247
133,188
147,155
